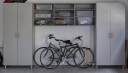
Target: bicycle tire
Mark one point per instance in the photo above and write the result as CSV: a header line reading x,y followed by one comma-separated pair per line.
x,y
89,58
36,56
71,61
56,61
79,53
44,54
70,54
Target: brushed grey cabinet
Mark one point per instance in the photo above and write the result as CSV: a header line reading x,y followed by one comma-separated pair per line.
x,y
17,34
1,24
10,34
25,34
110,27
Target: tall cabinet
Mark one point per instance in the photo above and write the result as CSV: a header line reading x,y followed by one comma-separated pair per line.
x,y
110,31
17,34
1,24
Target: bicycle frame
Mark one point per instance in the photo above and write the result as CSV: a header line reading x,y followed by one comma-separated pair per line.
x,y
66,53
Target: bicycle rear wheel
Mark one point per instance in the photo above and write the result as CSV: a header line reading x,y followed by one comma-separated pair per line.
x,y
70,56
78,57
89,57
47,58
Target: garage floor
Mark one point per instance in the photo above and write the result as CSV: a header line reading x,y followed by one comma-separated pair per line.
x,y
60,70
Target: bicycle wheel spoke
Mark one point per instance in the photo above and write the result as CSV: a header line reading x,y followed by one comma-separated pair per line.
x,y
89,57
78,57
46,58
70,54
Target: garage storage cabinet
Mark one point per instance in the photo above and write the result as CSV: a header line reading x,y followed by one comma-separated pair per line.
x,y
17,34
110,34
1,25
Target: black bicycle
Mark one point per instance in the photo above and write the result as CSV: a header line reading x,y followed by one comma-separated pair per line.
x,y
66,52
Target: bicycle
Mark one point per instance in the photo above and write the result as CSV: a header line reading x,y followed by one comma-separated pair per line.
x,y
52,56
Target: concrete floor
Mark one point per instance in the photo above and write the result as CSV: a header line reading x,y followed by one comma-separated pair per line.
x,y
60,70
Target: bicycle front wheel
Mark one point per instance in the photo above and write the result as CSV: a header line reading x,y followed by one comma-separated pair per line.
x,y
36,55
46,58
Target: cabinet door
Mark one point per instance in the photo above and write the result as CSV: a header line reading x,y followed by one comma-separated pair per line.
x,y
25,34
102,34
10,34
118,34
1,24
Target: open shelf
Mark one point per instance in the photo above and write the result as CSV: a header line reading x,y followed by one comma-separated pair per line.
x,y
64,14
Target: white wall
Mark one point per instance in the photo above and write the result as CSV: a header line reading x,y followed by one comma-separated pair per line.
x,y
65,33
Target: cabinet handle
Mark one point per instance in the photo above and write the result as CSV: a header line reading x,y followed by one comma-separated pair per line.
x,y
17,35
111,35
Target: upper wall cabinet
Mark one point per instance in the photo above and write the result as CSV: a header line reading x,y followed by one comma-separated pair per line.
x,y
17,34
110,29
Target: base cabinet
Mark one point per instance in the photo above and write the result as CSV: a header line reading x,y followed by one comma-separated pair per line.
x,y
110,29
17,34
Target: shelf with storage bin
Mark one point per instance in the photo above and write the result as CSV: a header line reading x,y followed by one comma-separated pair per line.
x,y
85,14
64,14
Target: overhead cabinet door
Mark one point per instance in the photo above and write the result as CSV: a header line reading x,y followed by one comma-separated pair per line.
x,y
10,34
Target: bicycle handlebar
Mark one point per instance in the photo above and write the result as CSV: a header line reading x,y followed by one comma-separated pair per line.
x,y
50,36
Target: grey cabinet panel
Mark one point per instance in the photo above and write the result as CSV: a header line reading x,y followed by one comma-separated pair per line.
x,y
10,34
1,24
102,27
118,34
25,34
110,34
17,34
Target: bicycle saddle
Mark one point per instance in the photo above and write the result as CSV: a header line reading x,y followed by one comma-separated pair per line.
x,y
51,36
79,37
67,42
